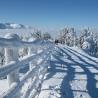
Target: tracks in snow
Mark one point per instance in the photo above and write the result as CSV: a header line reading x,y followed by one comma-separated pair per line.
x,y
71,75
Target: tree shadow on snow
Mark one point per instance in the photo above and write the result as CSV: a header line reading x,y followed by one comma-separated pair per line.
x,y
65,89
83,55
91,81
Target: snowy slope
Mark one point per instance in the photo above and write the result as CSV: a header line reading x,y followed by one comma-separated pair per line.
x,y
73,74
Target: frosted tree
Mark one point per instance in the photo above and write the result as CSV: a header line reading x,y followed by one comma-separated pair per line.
x,y
72,36
84,34
47,36
68,36
89,42
62,36
37,34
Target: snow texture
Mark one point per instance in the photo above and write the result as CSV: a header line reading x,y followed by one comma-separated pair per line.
x,y
72,74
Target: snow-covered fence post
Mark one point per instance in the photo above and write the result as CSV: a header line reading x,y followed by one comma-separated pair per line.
x,y
11,54
32,50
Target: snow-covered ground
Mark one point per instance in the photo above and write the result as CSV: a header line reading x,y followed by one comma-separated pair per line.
x,y
72,74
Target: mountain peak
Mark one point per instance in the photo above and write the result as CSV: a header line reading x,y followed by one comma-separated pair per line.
x,y
12,26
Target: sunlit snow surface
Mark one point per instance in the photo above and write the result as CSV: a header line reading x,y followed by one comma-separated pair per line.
x,y
72,74
3,85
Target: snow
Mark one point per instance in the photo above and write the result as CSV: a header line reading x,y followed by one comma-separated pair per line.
x,y
20,32
3,86
72,74
15,26
86,45
11,26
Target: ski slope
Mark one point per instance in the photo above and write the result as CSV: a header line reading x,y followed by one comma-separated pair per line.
x,y
72,74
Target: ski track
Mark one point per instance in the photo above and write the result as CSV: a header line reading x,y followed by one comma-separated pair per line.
x,y
72,74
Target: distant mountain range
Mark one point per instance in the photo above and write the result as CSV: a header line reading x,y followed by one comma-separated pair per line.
x,y
12,26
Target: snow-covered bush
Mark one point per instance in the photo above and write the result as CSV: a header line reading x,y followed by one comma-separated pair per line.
x,y
46,36
37,34
85,39
86,46
68,36
89,42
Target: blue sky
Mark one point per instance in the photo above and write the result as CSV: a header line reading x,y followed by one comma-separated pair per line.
x,y
50,13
